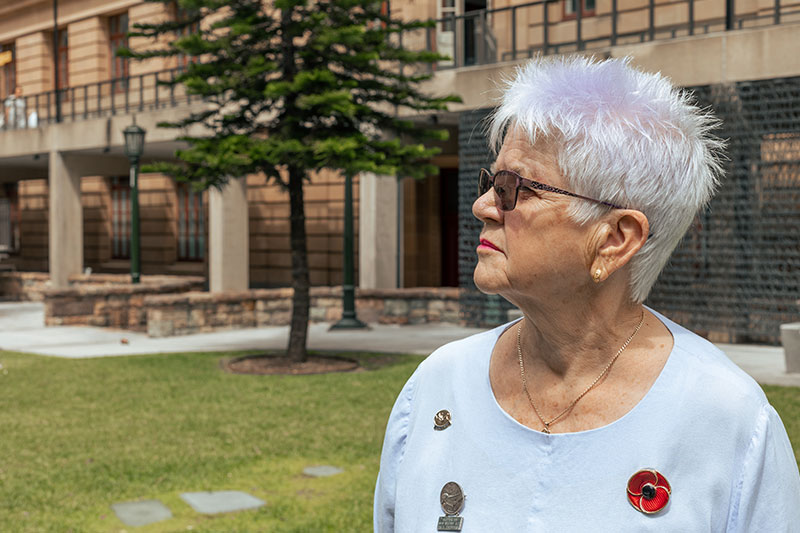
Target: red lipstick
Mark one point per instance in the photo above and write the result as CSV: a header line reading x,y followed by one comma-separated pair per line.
x,y
488,244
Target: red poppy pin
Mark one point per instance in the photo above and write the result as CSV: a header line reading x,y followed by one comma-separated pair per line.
x,y
648,491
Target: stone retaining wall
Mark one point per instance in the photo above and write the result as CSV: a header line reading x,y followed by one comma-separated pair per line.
x,y
110,300
194,312
23,286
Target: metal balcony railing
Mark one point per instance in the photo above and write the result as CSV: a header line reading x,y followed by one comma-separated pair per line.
x,y
542,27
143,92
478,37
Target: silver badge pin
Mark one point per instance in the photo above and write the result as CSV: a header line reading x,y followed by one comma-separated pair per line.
x,y
452,500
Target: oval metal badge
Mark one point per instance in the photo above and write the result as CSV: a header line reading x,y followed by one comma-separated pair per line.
x,y
451,498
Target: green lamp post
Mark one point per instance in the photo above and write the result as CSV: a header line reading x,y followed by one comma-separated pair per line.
x,y
134,147
349,319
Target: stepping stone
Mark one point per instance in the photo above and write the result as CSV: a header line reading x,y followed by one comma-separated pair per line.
x,y
141,513
322,471
222,501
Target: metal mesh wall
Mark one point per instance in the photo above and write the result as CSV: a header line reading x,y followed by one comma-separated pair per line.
x,y
735,277
477,309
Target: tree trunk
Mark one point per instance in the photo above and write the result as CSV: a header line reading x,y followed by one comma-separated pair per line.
x,y
301,299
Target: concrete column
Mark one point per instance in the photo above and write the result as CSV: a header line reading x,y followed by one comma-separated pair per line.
x,y
65,220
377,231
790,339
228,237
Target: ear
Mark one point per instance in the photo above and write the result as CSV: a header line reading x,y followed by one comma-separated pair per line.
x,y
620,238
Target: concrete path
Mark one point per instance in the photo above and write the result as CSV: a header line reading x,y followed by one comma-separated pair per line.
x,y
22,329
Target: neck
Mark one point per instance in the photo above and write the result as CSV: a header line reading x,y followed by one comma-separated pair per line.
x,y
572,341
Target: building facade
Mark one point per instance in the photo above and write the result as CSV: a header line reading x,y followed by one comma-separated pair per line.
x,y
64,188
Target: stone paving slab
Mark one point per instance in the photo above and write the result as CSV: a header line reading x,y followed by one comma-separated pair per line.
x,y
322,471
141,513
222,501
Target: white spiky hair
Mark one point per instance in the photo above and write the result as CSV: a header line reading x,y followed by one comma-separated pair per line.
x,y
623,136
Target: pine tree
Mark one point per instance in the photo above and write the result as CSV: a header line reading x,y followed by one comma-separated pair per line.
x,y
291,88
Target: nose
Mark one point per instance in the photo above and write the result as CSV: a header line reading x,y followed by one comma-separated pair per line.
x,y
485,208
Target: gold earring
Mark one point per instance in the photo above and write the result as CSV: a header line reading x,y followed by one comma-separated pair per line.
x,y
597,274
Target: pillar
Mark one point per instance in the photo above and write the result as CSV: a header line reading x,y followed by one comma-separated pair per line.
x,y
65,220
377,231
35,62
228,237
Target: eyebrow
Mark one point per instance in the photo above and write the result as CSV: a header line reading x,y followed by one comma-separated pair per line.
x,y
523,172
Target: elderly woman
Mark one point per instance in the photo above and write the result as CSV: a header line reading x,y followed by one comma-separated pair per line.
x,y
592,412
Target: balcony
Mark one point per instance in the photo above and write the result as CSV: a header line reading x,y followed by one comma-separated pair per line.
x,y
134,94
488,36
485,37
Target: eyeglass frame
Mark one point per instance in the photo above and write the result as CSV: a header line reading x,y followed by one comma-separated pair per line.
x,y
533,185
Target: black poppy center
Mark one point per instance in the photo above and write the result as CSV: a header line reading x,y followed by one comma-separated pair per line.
x,y
649,491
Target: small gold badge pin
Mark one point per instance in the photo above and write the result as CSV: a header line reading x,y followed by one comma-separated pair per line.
x,y
452,500
441,420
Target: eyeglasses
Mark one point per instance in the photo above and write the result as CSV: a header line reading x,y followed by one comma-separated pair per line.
x,y
506,184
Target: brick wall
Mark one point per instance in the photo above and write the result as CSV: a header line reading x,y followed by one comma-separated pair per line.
x,y
96,198
270,258
158,222
35,62
89,52
34,231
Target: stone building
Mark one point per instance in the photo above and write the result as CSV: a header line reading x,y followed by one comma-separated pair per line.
x,y
63,177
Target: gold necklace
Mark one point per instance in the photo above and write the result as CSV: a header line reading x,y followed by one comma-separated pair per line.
x,y
581,395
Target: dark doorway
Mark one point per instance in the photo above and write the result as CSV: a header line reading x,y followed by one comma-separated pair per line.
x,y
448,183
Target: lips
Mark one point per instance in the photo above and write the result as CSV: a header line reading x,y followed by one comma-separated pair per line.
x,y
488,244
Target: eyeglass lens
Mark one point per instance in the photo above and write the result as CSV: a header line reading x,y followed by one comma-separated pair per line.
x,y
505,185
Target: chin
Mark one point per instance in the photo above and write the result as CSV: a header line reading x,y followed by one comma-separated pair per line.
x,y
485,281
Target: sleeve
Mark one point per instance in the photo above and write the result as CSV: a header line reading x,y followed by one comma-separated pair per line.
x,y
769,484
394,445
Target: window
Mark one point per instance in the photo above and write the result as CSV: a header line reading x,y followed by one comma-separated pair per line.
x,y
447,9
9,218
118,38
8,71
571,7
63,59
120,217
180,15
191,224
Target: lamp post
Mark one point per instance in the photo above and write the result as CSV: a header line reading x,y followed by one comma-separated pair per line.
x,y
134,146
349,319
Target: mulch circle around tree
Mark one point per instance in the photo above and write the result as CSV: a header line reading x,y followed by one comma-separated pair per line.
x,y
282,365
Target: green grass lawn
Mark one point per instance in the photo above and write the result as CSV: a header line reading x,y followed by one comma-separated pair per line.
x,y
79,435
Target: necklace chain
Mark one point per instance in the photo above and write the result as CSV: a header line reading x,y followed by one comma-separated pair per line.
x,y
553,420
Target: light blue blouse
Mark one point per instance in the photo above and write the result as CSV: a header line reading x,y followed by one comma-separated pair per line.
x,y
705,425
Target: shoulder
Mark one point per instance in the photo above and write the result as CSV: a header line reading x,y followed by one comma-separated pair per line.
x,y
449,367
704,381
710,363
